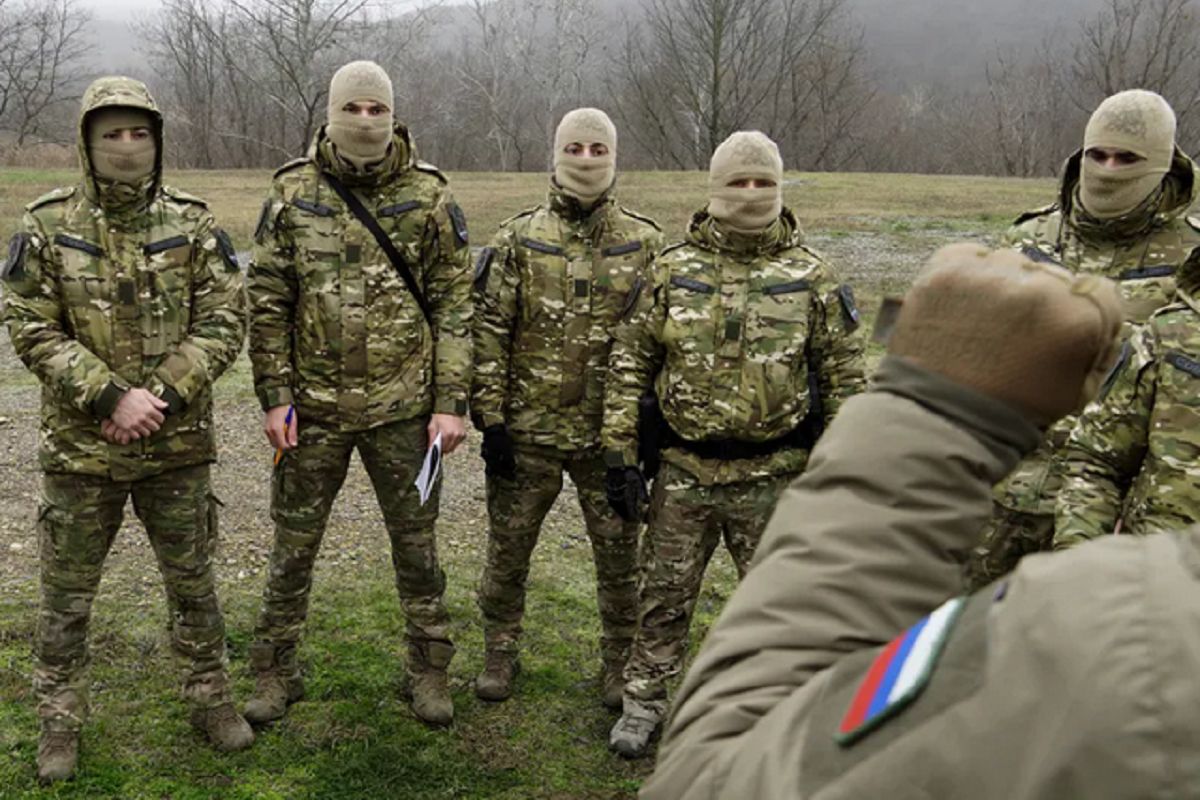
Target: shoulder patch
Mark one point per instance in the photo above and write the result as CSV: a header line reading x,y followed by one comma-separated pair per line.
x,y
459,222
264,221
640,218
426,167
899,673
53,196
14,265
183,197
226,249
1110,380
291,165
1035,213
850,314
483,265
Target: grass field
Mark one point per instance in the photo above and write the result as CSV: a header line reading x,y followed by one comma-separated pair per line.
x,y
354,736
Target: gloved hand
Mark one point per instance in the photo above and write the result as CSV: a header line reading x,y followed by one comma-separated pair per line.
x,y
1030,334
626,490
497,452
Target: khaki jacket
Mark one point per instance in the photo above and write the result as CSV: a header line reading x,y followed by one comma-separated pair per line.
x,y
1035,694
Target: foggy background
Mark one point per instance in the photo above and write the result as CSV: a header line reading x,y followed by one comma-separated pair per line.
x,y
937,86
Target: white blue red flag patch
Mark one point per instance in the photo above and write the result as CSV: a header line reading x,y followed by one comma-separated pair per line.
x,y
898,673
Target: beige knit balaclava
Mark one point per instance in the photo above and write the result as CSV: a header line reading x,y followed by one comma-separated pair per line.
x,y
744,155
127,162
1141,122
585,178
360,140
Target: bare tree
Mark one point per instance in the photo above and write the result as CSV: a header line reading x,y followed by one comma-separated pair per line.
x,y
1145,44
1026,118
524,62
699,69
41,49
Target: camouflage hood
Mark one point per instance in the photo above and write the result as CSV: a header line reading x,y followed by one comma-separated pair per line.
x,y
401,156
706,232
1179,188
117,91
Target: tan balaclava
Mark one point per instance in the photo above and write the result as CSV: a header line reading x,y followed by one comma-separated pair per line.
x,y
1063,327
745,154
360,140
128,162
1138,121
585,178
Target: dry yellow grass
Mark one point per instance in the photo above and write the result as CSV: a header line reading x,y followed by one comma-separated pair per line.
x,y
825,202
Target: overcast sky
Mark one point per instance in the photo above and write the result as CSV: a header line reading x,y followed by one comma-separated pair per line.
x,y
119,9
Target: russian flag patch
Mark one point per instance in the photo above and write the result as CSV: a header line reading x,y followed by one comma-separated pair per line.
x,y
899,673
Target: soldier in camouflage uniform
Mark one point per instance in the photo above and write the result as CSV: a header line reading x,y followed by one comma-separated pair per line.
x,y
126,301
1133,458
552,286
1121,213
747,339
344,358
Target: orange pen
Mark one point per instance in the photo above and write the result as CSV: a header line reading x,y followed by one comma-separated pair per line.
x,y
287,421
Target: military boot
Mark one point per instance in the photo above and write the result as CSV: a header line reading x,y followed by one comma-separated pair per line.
x,y
277,683
632,734
58,751
612,682
224,727
427,662
495,683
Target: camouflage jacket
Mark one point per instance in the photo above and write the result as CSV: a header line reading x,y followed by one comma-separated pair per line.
x,y
725,335
98,302
1141,252
333,328
1134,455
551,288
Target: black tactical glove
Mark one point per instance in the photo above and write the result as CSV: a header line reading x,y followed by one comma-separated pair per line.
x,y
497,452
626,490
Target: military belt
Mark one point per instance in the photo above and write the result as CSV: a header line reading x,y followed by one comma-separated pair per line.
x,y
799,438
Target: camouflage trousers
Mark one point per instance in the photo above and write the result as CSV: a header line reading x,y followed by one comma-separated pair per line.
x,y
78,520
516,510
687,521
303,488
1022,519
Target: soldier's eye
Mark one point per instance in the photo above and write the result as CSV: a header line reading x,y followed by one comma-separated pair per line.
x,y
573,149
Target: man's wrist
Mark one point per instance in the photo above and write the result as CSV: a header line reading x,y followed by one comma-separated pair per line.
x,y
106,402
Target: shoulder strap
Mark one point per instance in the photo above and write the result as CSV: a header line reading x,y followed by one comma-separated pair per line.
x,y
385,243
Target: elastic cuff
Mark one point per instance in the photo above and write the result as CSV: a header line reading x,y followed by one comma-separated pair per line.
x,y
619,458
272,396
485,421
110,395
174,402
450,405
